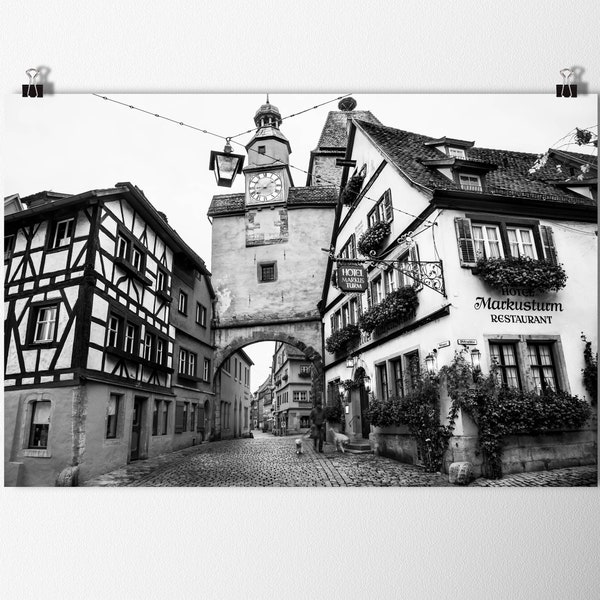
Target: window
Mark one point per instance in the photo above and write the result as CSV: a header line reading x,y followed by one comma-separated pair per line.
x,y
261,149
456,152
499,237
161,281
185,416
349,248
504,358
470,183
300,396
206,373
149,341
336,320
354,310
487,241
45,323
112,415
376,290
40,424
155,415
115,326
123,245
383,381
267,272
542,366
413,370
183,303
193,417
62,233
130,338
165,417
305,369
397,379
383,211
389,279
136,259
187,362
9,246
180,416
521,242
200,314
227,365
160,351
345,314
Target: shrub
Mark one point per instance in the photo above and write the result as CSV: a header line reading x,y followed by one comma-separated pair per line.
x,y
333,413
370,241
342,339
398,306
590,371
535,275
352,189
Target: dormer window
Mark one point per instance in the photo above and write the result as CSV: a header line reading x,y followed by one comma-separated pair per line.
x,y
470,183
456,152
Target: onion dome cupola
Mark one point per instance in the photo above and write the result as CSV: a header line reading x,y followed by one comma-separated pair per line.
x,y
268,143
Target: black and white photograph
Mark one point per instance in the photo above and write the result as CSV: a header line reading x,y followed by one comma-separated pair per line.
x,y
274,290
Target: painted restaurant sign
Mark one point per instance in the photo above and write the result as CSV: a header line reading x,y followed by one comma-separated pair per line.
x,y
502,310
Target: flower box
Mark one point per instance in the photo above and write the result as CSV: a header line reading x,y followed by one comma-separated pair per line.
x,y
342,339
521,272
371,240
395,308
352,189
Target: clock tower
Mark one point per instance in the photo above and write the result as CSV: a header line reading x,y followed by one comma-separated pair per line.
x,y
268,177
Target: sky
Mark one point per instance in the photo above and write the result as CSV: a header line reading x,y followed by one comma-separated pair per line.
x,y
77,142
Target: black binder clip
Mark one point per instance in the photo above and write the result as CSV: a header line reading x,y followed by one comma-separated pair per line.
x,y
566,89
32,89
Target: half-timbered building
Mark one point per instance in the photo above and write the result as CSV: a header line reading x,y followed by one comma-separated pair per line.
x,y
89,346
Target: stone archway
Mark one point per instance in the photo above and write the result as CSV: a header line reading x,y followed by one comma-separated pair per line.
x,y
305,336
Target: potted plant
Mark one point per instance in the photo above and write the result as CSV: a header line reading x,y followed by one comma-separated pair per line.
x,y
370,241
536,275
353,187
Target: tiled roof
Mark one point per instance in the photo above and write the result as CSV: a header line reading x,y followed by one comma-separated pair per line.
x,y
315,194
234,203
225,204
406,150
335,130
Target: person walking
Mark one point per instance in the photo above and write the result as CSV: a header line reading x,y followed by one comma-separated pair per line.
x,y
317,416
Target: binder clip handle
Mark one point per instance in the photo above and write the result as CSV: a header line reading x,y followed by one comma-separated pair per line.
x,y
567,89
32,89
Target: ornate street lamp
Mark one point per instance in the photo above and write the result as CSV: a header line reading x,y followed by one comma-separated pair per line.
x,y
430,362
367,383
226,165
476,360
350,362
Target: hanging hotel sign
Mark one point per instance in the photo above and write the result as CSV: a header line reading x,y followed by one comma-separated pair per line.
x,y
502,310
352,278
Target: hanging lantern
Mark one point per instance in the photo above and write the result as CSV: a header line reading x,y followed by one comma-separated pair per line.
x,y
350,363
226,165
476,360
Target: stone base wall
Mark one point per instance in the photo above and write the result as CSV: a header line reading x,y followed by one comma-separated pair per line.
x,y
521,453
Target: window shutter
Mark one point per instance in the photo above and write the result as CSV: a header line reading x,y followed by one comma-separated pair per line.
x,y
413,254
464,236
352,246
332,317
369,301
548,243
387,206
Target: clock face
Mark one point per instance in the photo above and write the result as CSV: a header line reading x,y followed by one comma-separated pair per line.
x,y
264,187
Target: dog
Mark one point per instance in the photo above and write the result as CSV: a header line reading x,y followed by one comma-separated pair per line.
x,y
339,440
299,446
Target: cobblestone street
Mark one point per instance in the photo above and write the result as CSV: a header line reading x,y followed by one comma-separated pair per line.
x,y
272,461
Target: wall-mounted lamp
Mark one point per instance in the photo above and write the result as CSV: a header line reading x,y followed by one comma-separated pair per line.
x,y
350,362
341,388
367,383
226,165
476,360
430,362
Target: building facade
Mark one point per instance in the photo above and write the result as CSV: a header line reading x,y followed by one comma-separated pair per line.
x,y
292,379
422,212
89,344
233,391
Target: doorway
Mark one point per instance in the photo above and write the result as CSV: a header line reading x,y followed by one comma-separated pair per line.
x,y
136,427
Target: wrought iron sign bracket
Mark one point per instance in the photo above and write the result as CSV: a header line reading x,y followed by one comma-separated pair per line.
x,y
429,273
